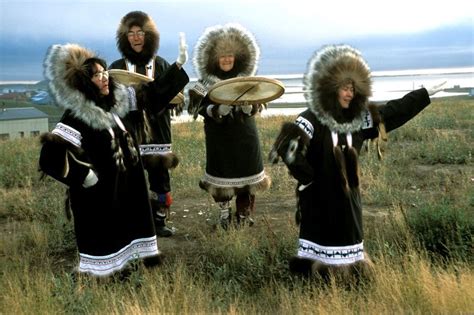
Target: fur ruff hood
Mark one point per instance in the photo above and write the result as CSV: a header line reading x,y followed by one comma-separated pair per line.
x,y
218,40
62,68
327,70
152,37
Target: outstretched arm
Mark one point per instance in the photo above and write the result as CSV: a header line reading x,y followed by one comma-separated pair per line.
x,y
163,89
396,113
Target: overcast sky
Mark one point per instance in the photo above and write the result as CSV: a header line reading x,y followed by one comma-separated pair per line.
x,y
275,23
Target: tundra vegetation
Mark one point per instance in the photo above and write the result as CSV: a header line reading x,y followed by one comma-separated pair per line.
x,y
418,216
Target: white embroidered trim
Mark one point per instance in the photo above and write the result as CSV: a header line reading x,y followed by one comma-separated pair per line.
x,y
200,88
105,265
331,255
68,133
153,149
234,182
305,125
367,121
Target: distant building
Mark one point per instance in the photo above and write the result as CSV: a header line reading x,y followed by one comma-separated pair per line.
x,y
41,98
22,122
15,96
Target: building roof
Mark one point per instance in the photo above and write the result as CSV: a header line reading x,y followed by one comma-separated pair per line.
x,y
21,113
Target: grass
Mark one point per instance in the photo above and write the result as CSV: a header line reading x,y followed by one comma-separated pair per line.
x,y
418,216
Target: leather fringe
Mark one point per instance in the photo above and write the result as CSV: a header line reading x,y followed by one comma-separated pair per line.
x,y
352,166
341,165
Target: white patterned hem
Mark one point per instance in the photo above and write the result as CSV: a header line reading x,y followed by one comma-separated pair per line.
x,y
331,255
234,182
155,149
68,133
106,265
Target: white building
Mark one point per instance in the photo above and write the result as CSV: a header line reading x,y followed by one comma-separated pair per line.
x,y
22,122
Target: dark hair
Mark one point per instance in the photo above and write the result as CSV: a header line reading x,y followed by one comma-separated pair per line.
x,y
332,106
90,90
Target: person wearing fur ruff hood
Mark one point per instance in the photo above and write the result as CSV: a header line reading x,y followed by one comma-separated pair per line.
x,y
138,41
321,151
234,164
93,153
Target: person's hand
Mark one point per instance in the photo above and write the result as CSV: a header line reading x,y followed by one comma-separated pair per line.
x,y
224,110
246,109
183,50
90,180
435,88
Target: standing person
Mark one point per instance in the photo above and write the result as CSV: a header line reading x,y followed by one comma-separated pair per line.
x,y
234,165
138,41
321,151
93,153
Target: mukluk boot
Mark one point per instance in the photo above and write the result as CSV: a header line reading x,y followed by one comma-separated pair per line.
x,y
160,209
245,204
225,214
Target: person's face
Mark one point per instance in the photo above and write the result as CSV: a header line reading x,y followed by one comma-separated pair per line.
x,y
101,79
226,62
136,38
345,94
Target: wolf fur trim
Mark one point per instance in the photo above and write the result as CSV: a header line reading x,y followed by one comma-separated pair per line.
x,y
167,161
328,69
352,167
341,166
64,62
152,37
63,66
224,194
193,99
380,138
218,40
361,269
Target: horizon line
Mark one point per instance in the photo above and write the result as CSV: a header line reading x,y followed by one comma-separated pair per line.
x,y
379,73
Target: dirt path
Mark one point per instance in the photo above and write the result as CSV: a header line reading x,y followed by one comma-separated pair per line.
x,y
192,218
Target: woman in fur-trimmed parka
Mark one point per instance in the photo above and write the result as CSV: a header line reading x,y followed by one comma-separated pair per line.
x,y
91,151
321,151
234,165
138,40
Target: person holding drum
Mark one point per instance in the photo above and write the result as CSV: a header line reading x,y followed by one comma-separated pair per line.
x,y
234,164
138,40
321,151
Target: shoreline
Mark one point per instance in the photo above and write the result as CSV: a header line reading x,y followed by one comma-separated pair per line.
x,y
289,109
292,76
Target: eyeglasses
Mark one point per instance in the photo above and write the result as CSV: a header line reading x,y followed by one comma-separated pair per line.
x,y
138,33
101,75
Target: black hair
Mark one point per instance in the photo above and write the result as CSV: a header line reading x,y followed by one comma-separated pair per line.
x,y
90,90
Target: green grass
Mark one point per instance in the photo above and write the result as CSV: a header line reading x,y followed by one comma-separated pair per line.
x,y
418,210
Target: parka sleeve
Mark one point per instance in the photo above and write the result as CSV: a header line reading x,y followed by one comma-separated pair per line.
x,y
396,113
61,156
157,95
195,97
